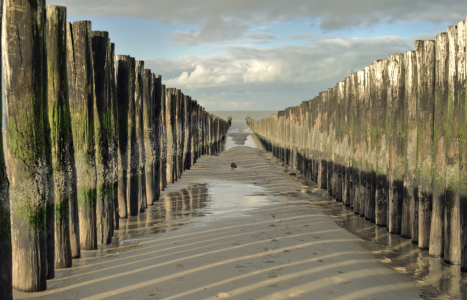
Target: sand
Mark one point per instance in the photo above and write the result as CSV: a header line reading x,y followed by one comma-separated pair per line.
x,y
244,233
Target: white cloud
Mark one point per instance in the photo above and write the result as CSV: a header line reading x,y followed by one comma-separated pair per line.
x,y
271,76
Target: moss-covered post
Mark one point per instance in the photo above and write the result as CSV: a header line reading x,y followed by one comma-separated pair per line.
x,y
141,171
452,254
60,121
133,164
395,131
72,172
409,227
148,128
5,225
179,133
122,77
170,102
439,145
462,65
81,91
103,131
379,138
425,108
25,78
331,139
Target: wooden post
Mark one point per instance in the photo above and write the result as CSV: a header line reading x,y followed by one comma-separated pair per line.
x,y
170,99
188,137
103,129
5,225
157,91
139,104
148,126
114,136
409,227
59,119
359,129
452,252
371,121
439,143
395,131
425,107
122,76
81,92
72,172
133,164
163,140
379,138
25,76
462,65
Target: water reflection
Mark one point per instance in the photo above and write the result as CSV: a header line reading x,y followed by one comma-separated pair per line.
x,y
165,215
243,139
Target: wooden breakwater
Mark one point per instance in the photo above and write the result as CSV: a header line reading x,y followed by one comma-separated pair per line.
x,y
92,137
390,141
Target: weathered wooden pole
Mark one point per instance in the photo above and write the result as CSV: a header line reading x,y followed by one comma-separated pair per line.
x,y
72,172
25,78
149,123
156,134
59,119
425,108
395,131
81,91
133,164
359,127
188,137
163,139
170,102
370,125
462,65
122,76
379,137
331,139
452,252
114,136
409,227
139,102
5,224
338,115
346,143
103,132
353,141
194,132
436,248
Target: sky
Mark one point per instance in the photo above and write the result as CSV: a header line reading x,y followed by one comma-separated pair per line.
x,y
262,54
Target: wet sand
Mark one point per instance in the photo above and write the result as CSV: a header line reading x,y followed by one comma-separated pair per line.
x,y
244,233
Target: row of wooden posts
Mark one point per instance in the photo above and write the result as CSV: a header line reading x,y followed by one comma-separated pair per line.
x,y
91,137
390,141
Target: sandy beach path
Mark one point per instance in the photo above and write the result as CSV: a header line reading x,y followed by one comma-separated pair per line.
x,y
233,233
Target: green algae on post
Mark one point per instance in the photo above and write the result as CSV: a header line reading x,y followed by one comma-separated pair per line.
x,y
25,76
59,119
81,91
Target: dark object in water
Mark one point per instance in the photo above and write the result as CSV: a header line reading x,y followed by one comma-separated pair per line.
x,y
233,165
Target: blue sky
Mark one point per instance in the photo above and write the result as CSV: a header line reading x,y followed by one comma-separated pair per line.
x,y
262,54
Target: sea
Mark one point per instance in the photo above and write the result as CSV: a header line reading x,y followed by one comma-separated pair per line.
x,y
239,116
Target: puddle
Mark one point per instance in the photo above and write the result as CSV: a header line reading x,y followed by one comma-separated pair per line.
x,y
243,139
198,203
